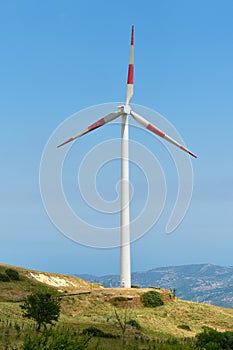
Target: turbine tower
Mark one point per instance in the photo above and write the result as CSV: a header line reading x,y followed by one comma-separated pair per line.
x,y
125,111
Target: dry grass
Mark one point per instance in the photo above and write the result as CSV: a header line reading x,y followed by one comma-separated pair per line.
x,y
97,308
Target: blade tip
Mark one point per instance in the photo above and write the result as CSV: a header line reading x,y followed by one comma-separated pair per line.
x,y
132,35
60,145
187,151
65,142
192,154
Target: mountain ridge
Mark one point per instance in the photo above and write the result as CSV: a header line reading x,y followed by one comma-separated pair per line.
x,y
204,283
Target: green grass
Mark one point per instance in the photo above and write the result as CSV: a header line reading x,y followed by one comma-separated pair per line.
x,y
13,337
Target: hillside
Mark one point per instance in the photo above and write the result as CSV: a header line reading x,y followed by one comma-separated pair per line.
x,y
204,283
86,304
33,281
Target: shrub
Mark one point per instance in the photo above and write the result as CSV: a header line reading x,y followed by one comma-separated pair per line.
x,y
173,292
134,324
4,277
116,300
96,332
120,298
55,340
12,274
184,326
212,339
152,299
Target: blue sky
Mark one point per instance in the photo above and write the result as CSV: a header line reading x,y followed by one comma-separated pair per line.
x,y
58,57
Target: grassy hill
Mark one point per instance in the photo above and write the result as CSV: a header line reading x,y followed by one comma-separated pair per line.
x,y
33,281
85,304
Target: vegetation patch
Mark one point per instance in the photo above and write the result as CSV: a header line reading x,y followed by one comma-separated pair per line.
x,y
96,332
185,327
152,299
211,339
135,324
4,277
12,274
53,339
9,275
118,300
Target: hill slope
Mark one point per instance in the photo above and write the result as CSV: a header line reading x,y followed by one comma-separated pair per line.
x,y
203,283
33,281
86,304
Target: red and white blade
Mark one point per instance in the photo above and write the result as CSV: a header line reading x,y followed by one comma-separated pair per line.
x,y
130,79
108,118
142,121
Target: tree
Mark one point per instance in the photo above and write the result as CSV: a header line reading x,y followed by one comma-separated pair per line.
x,y
42,308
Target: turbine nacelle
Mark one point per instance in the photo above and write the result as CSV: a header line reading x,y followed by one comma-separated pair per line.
x,y
124,109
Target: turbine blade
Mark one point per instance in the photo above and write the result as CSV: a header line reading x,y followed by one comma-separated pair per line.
x,y
142,121
108,118
130,79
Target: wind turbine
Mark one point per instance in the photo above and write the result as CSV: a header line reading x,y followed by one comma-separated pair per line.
x,y
125,111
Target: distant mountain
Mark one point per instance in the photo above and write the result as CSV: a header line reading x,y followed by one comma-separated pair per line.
x,y
203,283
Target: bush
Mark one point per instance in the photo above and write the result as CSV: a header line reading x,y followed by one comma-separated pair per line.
x,y
116,300
152,299
134,324
214,340
12,274
184,326
96,332
4,277
120,298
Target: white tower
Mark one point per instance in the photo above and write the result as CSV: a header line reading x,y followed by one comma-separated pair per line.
x,y
125,111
